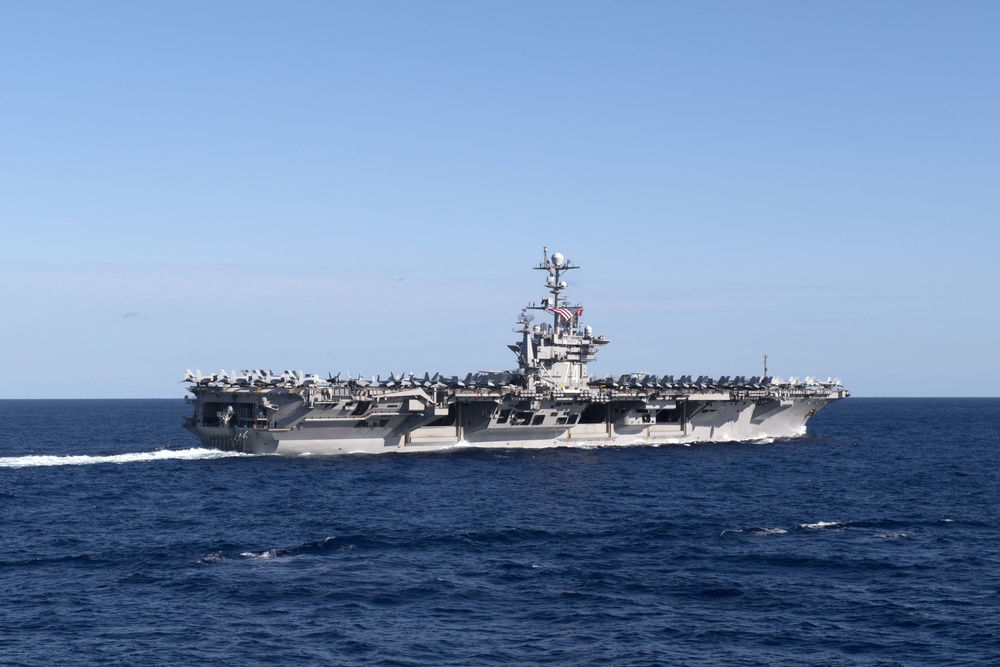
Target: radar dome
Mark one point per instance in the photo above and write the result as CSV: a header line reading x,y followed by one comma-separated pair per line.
x,y
557,259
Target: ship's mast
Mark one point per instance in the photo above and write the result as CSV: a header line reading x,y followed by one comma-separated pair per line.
x,y
555,266
556,356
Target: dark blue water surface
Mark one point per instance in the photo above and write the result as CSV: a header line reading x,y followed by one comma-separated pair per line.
x,y
875,540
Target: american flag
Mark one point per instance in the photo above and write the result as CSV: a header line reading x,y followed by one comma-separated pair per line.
x,y
561,312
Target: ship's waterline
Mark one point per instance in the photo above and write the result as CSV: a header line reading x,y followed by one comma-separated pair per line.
x,y
550,400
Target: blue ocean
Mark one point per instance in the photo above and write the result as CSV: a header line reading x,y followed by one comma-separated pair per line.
x,y
874,540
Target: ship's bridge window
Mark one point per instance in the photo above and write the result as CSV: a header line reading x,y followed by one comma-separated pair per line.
x,y
538,420
503,416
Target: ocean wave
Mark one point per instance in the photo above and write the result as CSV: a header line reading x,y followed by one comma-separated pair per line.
x,y
821,525
319,547
85,558
755,532
884,524
194,454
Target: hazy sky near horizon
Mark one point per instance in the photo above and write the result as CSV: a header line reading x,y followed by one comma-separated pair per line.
x,y
364,186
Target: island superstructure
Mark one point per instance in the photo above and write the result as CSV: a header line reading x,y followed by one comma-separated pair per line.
x,y
550,400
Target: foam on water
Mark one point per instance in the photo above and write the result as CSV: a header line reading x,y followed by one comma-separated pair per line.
x,y
820,525
194,454
324,546
755,532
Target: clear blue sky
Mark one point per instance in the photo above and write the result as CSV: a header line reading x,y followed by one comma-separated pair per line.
x,y
363,186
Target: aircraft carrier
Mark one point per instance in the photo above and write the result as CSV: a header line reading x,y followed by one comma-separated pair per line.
x,y
550,400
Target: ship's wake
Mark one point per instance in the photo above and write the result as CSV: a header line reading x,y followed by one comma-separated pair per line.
x,y
194,454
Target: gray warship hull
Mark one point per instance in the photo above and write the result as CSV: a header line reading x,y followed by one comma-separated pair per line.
x,y
303,423
550,400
